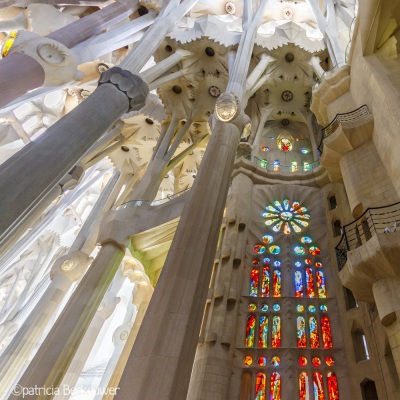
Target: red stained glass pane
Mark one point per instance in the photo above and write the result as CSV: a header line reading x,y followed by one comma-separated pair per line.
x,y
255,273
265,282
333,389
250,331
275,387
314,337
318,386
276,331
261,384
310,283
326,332
303,387
277,283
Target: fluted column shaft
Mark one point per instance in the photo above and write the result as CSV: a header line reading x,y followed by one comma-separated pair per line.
x,y
53,155
167,340
53,358
19,350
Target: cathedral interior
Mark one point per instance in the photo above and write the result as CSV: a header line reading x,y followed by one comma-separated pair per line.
x,y
200,199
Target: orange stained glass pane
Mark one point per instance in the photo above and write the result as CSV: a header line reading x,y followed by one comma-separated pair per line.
x,y
275,386
261,383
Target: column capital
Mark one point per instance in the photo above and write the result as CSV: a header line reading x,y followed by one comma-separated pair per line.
x,y
72,265
133,86
58,62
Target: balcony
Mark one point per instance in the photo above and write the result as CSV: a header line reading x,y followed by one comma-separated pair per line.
x,y
369,251
374,221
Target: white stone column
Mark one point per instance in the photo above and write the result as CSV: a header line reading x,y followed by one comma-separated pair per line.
x,y
125,335
18,352
315,63
105,311
166,343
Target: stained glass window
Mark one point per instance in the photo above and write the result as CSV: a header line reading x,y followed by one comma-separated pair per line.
x,y
262,361
263,332
321,284
248,360
314,250
329,361
312,308
267,239
310,283
252,307
300,308
316,361
254,282
286,216
302,361
326,332
318,386
294,166
306,240
333,390
259,249
250,331
265,282
276,331
298,282
303,386
274,249
264,307
276,165
299,250
275,361
307,166
275,387
314,337
261,383
301,332
277,283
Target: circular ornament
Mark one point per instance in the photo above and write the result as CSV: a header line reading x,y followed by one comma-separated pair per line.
x,y
287,95
214,91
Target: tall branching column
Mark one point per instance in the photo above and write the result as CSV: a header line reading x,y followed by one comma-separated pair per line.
x,y
212,370
166,343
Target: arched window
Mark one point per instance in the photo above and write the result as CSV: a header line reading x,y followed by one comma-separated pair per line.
x,y
360,345
318,386
310,283
298,282
333,389
301,332
314,337
263,332
368,390
303,386
246,386
276,331
277,283
326,332
265,282
254,282
350,299
321,285
332,202
337,228
261,383
250,331
275,387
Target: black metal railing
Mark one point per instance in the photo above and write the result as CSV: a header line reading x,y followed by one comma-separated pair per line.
x,y
372,221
